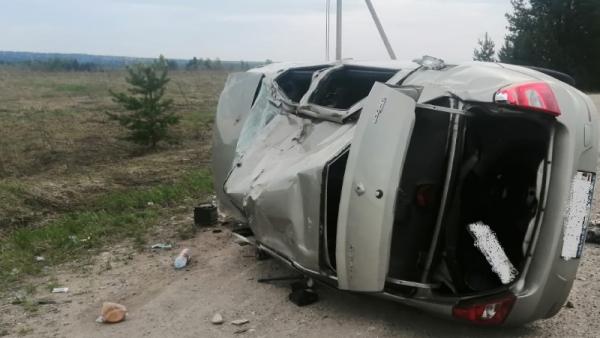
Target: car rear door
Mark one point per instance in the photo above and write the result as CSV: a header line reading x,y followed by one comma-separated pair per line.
x,y
370,187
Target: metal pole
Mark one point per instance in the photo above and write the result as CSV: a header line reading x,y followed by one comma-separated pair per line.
x,y
338,45
455,120
327,28
386,42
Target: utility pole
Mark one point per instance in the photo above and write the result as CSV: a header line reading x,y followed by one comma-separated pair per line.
x,y
386,42
338,31
327,29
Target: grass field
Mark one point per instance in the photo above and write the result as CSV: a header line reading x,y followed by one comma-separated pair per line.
x,y
68,184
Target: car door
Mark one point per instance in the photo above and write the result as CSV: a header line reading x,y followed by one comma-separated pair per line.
x,y
371,181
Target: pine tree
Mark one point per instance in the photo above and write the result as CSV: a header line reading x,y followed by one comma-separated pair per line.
x,y
563,35
149,115
172,65
506,52
208,63
218,64
486,50
193,64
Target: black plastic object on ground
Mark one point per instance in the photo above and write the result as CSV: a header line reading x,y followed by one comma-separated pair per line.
x,y
593,234
205,214
302,295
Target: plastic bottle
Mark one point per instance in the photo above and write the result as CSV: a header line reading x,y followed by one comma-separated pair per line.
x,y
182,260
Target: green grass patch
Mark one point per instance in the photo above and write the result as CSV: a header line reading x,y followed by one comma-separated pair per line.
x,y
13,198
164,195
10,192
115,216
71,88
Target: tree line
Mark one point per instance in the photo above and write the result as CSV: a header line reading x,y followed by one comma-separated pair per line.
x,y
57,64
562,35
216,64
73,65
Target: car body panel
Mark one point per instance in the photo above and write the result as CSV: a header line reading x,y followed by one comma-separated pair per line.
x,y
278,174
234,104
370,187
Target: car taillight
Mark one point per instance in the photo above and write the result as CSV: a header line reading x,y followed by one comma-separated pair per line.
x,y
489,312
531,95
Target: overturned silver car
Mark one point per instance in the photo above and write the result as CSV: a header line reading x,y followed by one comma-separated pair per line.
x,y
461,190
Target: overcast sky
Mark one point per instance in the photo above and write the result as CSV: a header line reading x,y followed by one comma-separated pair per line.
x,y
289,30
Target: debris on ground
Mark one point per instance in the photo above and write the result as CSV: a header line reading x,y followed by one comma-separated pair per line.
x,y
217,319
19,299
281,279
60,290
242,330
165,246
112,313
205,214
45,301
240,241
76,239
262,255
303,294
303,297
182,260
593,234
569,305
39,258
239,322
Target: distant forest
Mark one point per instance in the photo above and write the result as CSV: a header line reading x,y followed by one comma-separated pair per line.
x,y
92,63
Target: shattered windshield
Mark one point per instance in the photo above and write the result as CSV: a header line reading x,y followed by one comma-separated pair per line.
x,y
262,112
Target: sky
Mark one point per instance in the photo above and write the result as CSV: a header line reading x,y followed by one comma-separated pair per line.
x,y
281,30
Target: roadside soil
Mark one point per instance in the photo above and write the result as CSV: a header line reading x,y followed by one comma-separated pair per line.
x,y
222,277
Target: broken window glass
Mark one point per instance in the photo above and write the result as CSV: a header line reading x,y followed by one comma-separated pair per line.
x,y
263,111
295,82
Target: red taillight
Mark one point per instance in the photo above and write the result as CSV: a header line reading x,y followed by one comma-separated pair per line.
x,y
531,95
492,311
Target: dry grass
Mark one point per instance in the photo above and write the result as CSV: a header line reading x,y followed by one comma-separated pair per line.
x,y
59,152
55,121
64,172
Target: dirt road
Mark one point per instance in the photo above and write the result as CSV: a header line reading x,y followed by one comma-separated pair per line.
x,y
223,277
